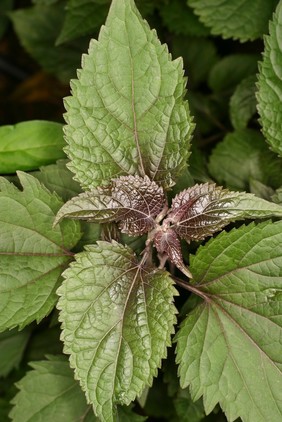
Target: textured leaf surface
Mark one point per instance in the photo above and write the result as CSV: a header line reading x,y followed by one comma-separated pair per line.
x,y
204,209
127,113
117,320
29,145
270,84
244,155
12,346
237,19
229,347
243,103
49,393
134,201
32,253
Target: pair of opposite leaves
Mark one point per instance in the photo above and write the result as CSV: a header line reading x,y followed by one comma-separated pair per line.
x,y
139,206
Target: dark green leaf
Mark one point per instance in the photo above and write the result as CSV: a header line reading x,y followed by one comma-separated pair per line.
x,y
29,145
5,6
229,347
129,101
49,393
116,323
270,84
243,103
237,19
32,253
12,346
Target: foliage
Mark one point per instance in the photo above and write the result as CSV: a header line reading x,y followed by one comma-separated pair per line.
x,y
123,245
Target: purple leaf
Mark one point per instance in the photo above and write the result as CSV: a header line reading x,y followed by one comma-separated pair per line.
x,y
133,201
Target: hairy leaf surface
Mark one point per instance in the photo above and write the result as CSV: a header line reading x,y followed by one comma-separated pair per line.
x,y
49,393
127,114
134,201
229,346
270,85
204,209
117,321
237,19
32,253
29,145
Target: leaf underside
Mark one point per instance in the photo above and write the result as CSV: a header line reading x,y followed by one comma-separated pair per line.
x,y
270,85
229,347
127,114
32,253
117,321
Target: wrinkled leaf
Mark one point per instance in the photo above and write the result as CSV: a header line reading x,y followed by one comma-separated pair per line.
x,y
228,347
132,200
12,346
270,84
117,321
29,145
127,114
32,253
243,103
237,19
204,209
49,391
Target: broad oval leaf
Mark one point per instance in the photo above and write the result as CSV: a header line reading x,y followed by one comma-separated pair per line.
x,y
127,114
237,19
204,209
270,85
229,346
29,145
32,253
134,201
54,392
117,321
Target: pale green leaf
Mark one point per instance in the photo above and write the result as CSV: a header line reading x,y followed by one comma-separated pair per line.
x,y
277,197
223,78
270,84
117,321
237,19
29,145
242,106
49,393
180,19
32,253
12,346
46,21
244,155
261,190
229,346
127,113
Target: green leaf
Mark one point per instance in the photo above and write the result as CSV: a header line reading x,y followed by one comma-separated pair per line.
x,y
46,21
237,19
186,409
129,101
261,190
49,391
116,323
125,414
180,19
229,348
58,178
12,346
277,197
29,145
243,103
245,150
32,253
222,76
270,85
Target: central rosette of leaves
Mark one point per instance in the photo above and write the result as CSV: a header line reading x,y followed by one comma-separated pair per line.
x,y
139,205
